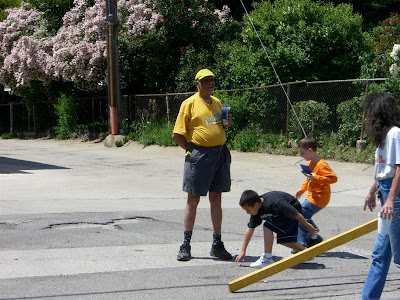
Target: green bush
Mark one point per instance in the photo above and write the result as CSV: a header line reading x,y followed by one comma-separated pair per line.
x,y
67,117
350,115
7,136
305,40
149,132
157,134
250,139
253,107
313,116
388,86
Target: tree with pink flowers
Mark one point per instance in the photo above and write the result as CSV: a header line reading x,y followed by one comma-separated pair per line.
x,y
24,47
77,53
35,56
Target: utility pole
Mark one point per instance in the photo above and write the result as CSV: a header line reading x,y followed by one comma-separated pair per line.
x,y
113,79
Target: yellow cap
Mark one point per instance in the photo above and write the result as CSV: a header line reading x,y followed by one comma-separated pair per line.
x,y
203,73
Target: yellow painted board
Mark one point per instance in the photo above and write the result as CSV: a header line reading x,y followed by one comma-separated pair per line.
x,y
302,256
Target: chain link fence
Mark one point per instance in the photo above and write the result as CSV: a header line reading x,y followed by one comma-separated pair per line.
x,y
271,107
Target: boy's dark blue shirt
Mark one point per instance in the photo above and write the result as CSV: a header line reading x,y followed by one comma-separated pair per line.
x,y
276,205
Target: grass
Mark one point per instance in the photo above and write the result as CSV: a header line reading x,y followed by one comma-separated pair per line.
x,y
252,139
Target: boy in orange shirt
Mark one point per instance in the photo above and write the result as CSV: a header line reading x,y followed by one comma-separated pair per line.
x,y
317,184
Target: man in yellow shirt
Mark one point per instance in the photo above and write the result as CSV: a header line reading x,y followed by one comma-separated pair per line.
x,y
200,132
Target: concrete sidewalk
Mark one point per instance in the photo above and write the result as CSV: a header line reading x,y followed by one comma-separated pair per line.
x,y
82,221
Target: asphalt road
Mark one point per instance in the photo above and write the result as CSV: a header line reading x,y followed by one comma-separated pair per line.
x,y
82,221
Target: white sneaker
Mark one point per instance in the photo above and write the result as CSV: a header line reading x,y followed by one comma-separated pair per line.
x,y
262,262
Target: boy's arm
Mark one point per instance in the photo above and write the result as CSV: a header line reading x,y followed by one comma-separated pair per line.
x,y
303,188
247,237
298,194
308,226
325,175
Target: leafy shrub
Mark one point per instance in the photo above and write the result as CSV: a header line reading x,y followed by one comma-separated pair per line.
x,y
350,115
7,136
275,139
239,110
388,86
119,143
67,117
149,132
305,39
252,107
158,134
250,139
313,116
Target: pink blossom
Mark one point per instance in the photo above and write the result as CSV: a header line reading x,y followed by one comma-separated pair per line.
x,y
223,14
77,52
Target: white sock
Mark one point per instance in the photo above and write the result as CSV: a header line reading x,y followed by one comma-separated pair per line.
x,y
314,237
268,255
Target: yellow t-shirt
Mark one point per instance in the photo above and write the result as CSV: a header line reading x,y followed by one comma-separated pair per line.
x,y
201,123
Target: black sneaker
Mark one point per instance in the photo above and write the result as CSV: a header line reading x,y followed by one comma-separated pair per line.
x,y
313,242
218,250
184,253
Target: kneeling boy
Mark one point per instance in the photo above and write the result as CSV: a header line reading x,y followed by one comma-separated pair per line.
x,y
282,214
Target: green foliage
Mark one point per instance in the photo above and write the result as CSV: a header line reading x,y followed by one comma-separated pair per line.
x,y
67,117
253,107
167,58
350,115
332,148
253,140
313,116
7,136
121,143
250,139
158,134
240,66
4,4
53,11
383,37
388,86
190,61
305,40
149,132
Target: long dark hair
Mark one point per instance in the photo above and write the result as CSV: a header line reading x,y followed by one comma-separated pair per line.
x,y
381,114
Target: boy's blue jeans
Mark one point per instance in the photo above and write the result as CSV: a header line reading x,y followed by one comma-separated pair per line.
x,y
385,247
309,210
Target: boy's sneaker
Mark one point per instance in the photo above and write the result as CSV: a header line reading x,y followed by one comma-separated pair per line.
x,y
218,250
262,262
313,242
184,253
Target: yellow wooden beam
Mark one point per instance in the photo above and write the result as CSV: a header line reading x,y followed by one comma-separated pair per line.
x,y
302,256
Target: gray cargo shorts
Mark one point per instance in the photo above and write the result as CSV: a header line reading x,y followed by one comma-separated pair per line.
x,y
207,169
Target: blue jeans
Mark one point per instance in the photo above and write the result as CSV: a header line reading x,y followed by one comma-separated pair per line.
x,y
309,210
385,247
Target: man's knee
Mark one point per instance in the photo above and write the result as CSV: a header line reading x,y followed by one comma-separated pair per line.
x,y
193,200
215,198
